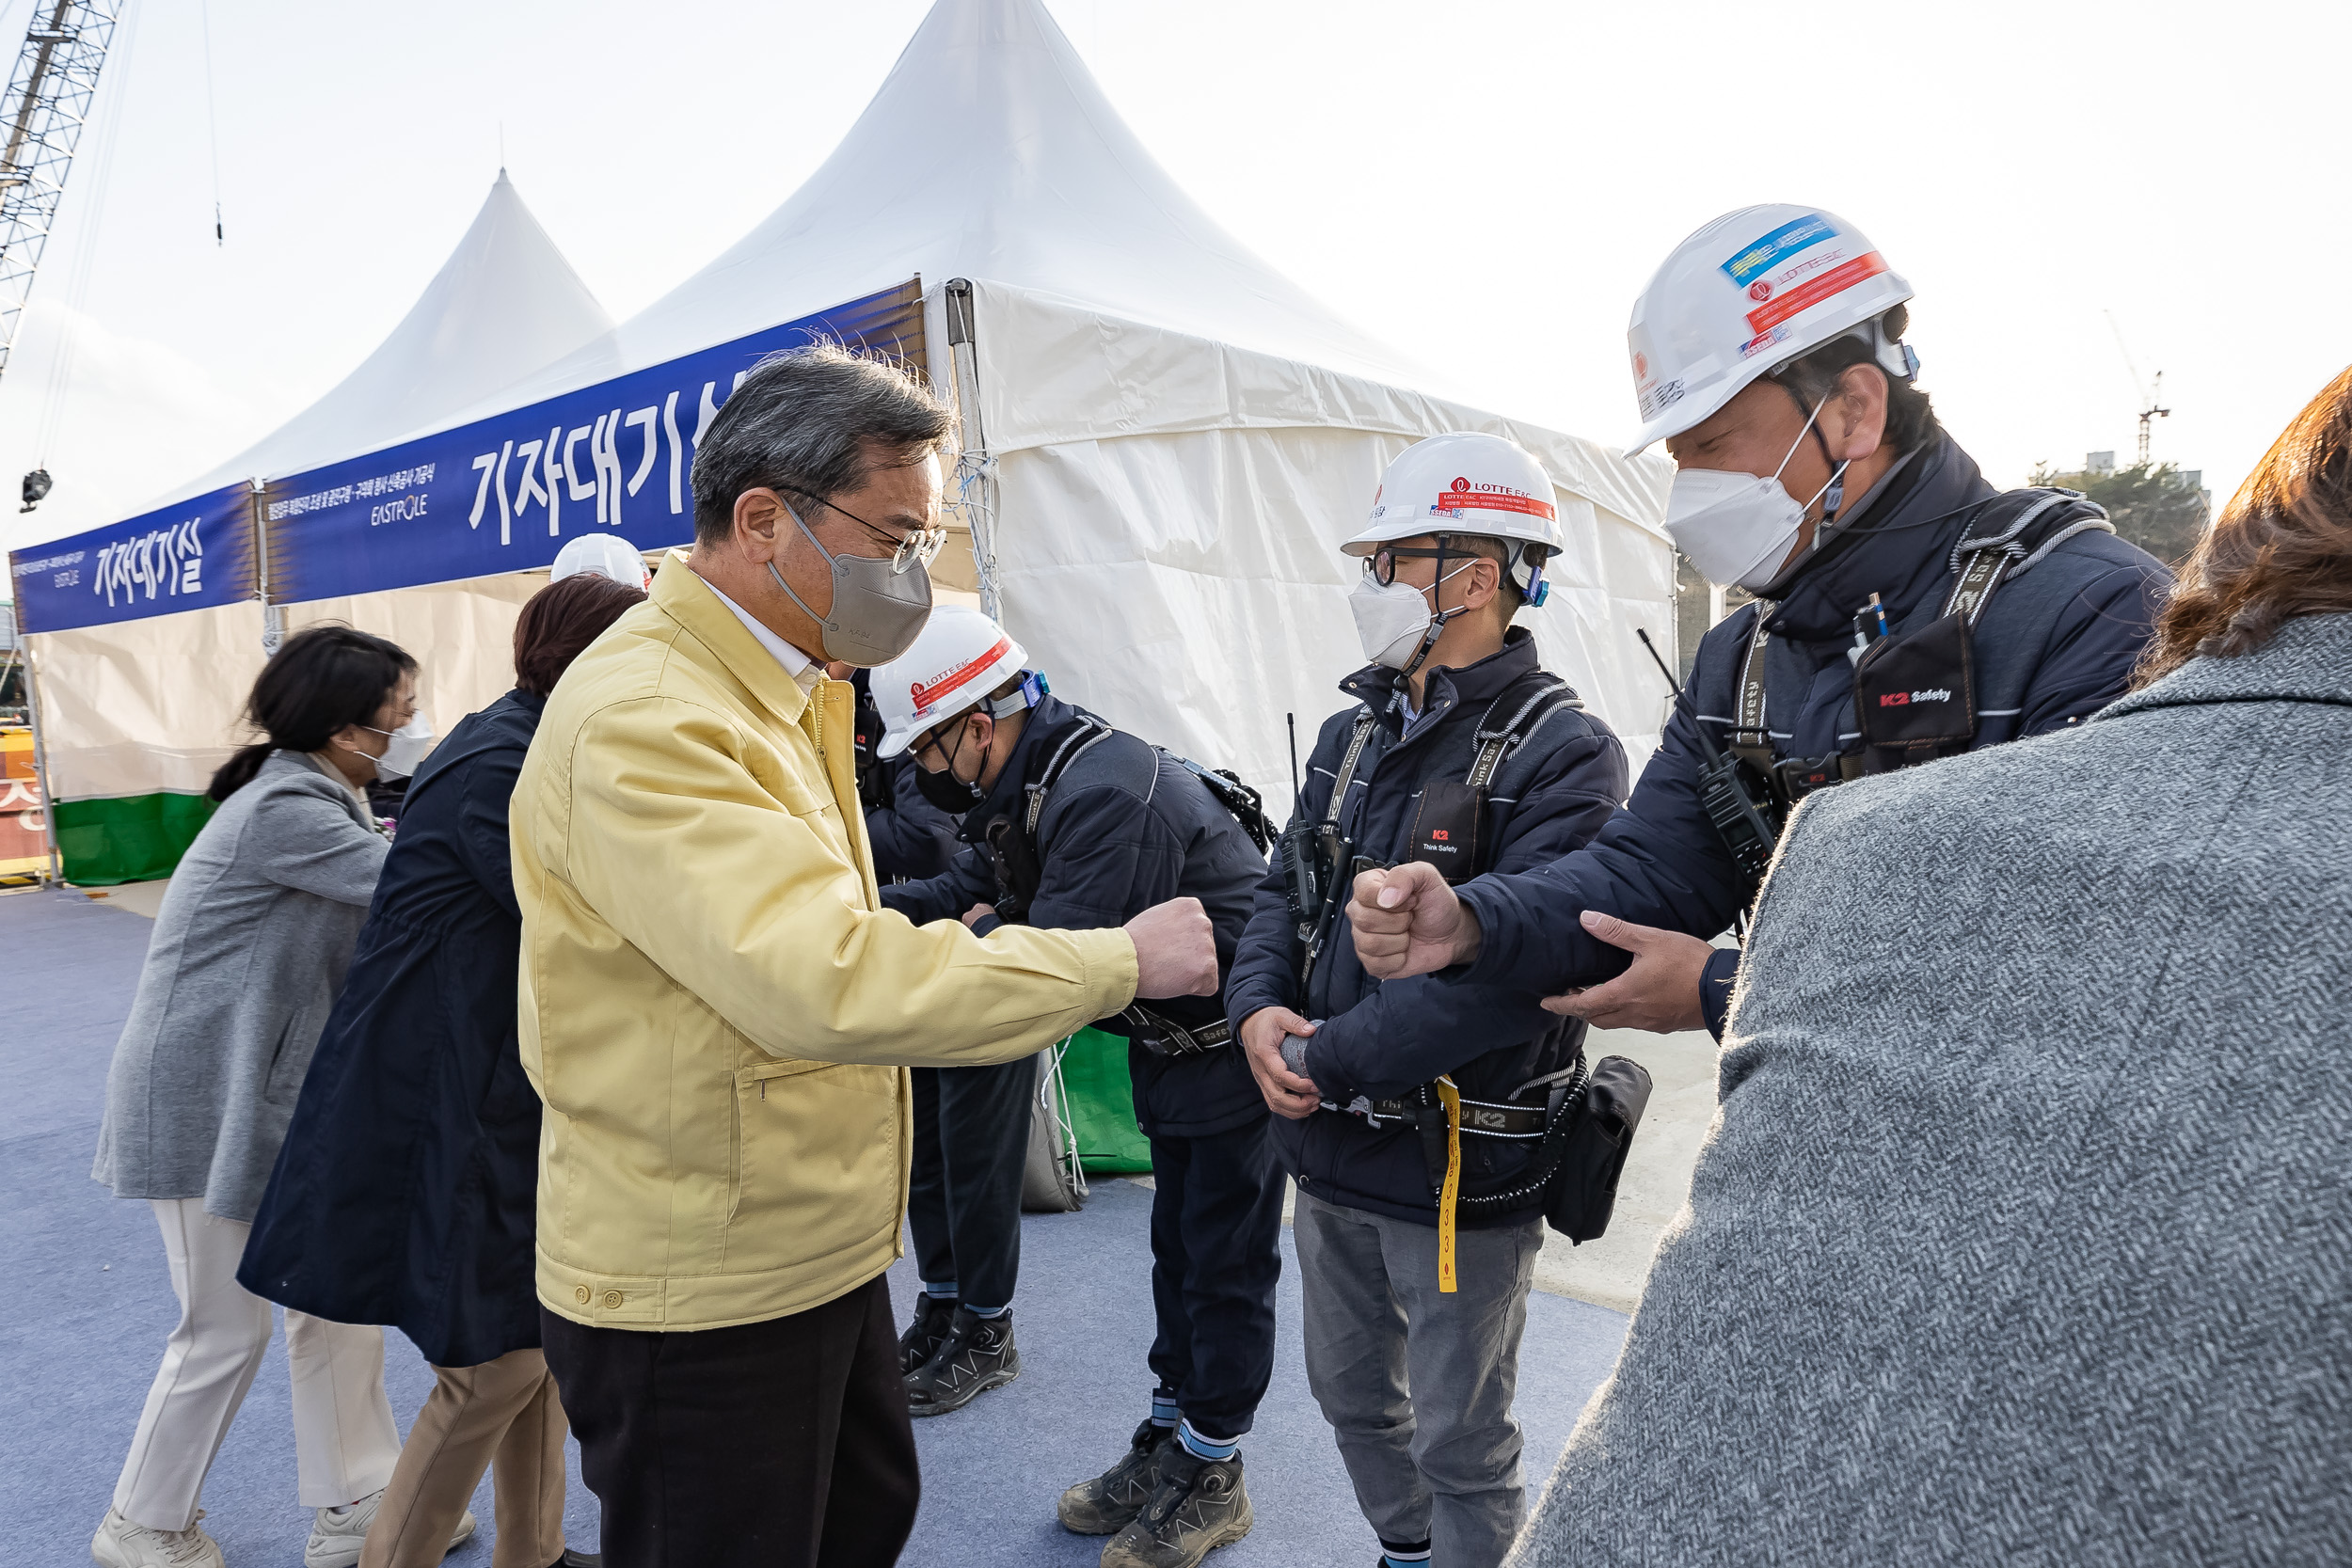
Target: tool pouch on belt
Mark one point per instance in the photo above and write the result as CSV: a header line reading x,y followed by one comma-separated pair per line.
x,y
1915,696
1588,1139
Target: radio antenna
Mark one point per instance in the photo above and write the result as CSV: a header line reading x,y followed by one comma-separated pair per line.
x,y
1672,684
1291,719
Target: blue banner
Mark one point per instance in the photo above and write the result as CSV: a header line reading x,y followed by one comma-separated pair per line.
x,y
190,556
503,494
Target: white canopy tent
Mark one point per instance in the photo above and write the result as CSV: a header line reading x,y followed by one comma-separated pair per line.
x,y
1164,439
137,713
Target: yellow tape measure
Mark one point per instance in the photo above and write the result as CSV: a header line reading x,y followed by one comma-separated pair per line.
x,y
1453,1098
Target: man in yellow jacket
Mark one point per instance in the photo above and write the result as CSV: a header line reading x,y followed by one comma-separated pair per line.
x,y
718,1011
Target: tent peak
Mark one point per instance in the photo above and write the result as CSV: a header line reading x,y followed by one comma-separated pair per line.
x,y
504,304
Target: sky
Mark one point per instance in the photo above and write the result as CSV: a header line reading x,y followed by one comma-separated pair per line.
x,y
1486,185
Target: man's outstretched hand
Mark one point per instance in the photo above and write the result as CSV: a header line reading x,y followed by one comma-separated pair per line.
x,y
1175,950
1406,921
1660,991
1287,1094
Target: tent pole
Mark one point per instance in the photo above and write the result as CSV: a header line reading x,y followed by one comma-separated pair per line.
x,y
975,468
55,877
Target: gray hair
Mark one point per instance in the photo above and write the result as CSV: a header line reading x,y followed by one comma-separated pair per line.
x,y
812,423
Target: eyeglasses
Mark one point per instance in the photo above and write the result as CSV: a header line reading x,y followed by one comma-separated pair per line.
x,y
1381,563
921,545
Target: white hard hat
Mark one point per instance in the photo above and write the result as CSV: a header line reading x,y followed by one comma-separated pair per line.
x,y
607,555
1467,483
1745,295
958,658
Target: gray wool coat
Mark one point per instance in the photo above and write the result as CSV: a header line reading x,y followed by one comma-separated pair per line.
x,y
2023,1232
250,947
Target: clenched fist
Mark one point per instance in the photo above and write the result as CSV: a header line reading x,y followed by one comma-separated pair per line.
x,y
1406,921
1175,950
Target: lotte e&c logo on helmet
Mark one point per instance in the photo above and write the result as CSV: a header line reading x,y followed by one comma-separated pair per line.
x,y
1761,290
1461,483
1641,367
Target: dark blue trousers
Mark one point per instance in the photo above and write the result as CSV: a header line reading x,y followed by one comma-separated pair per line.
x,y
1216,1231
964,1195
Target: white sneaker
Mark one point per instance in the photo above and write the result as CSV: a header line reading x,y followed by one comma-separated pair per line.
x,y
121,1543
339,1532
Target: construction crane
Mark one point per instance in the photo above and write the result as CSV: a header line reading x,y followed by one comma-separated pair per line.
x,y
47,106
2151,392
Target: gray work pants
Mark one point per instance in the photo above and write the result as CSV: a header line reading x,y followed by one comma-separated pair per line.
x,y
1417,1385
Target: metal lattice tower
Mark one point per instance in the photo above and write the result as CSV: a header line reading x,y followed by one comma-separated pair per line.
x,y
47,106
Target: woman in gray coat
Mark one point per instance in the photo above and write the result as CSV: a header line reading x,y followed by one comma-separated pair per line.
x,y
2023,1235
248,952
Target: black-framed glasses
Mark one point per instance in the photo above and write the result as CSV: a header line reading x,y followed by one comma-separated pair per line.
x,y
1381,563
922,546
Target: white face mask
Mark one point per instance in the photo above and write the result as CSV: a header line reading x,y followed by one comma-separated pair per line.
x,y
406,747
1736,528
1391,621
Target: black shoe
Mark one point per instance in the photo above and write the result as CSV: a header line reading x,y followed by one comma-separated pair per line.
x,y
977,1355
1199,1506
927,1333
577,1559
1103,1505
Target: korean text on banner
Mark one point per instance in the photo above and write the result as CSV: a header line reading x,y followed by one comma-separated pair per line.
x,y
190,556
500,493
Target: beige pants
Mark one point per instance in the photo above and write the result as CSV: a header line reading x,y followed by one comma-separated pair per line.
x,y
501,1416
345,1440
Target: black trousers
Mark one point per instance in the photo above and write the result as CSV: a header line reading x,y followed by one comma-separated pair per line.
x,y
777,1445
1216,1252
963,1196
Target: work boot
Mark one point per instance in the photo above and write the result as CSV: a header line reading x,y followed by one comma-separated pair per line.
x,y
121,1543
927,1333
1199,1506
977,1355
1104,1504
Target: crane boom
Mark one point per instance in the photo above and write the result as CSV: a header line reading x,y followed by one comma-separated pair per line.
x,y
48,105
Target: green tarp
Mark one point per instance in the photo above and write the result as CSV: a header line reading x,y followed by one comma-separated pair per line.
x,y
1101,1108
136,838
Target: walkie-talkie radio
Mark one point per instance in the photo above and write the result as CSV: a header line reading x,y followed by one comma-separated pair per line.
x,y
1725,794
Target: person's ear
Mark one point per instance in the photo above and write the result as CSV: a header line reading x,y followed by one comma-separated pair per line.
x,y
1854,420
759,520
1483,581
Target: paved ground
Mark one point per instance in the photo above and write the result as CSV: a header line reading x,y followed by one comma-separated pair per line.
x,y
92,1305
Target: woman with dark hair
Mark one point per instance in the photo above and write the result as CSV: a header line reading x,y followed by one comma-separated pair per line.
x,y
2023,1236
249,950
405,1192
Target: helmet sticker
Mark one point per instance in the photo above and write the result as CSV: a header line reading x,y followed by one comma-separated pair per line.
x,y
1816,289
1769,251
927,693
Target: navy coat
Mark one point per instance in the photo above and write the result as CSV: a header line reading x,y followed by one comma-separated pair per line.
x,y
403,1194
1379,1040
1124,828
2057,644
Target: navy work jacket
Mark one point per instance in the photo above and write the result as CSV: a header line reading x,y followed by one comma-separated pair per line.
x,y
1124,828
2057,644
911,838
404,1191
1384,1041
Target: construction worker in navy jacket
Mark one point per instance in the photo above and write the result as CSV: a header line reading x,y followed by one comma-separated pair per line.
x,y
1459,750
1905,611
1066,822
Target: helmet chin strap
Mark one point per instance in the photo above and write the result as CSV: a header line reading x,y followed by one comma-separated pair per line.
x,y
1438,619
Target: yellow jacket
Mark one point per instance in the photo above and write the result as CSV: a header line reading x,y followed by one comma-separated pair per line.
x,y
710,989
